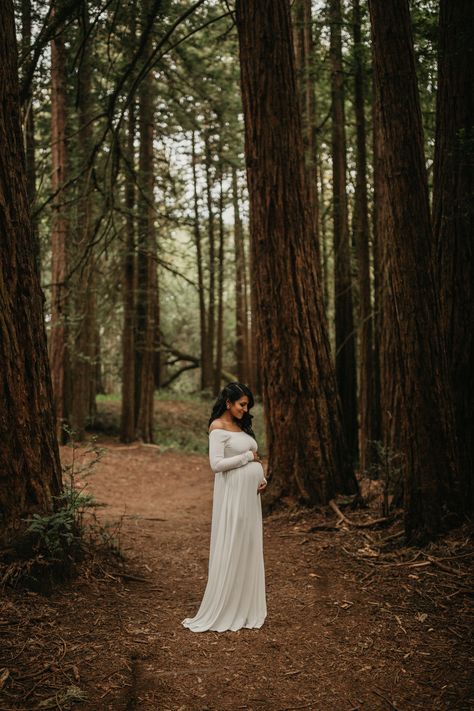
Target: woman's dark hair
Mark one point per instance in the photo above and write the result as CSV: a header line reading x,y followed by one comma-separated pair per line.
x,y
233,392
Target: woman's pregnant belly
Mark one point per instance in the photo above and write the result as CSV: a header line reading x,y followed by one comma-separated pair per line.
x,y
254,470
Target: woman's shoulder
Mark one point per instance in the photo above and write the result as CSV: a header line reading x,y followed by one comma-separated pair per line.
x,y
217,426
220,426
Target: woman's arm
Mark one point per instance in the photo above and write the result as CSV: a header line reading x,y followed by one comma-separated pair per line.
x,y
218,462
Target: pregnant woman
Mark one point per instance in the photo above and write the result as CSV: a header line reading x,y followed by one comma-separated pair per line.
x,y
235,591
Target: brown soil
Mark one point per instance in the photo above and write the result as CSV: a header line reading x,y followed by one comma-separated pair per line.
x,y
350,625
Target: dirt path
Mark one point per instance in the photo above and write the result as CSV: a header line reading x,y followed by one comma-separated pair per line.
x,y
342,632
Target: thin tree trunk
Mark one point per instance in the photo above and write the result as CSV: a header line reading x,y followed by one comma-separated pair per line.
x,y
29,456
127,424
425,422
29,122
241,327
199,263
211,318
147,277
453,219
307,456
361,235
59,334
220,288
345,334
84,336
324,236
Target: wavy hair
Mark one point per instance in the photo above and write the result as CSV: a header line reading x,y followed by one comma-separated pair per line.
x,y
233,392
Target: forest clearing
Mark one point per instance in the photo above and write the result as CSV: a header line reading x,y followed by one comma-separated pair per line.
x,y
353,623
236,355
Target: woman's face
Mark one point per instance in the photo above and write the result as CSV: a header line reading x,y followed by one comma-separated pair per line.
x,y
238,408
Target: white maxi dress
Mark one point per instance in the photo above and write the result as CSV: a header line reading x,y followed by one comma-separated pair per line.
x,y
235,592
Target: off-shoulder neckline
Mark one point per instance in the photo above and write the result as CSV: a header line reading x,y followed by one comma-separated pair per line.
x,y
221,429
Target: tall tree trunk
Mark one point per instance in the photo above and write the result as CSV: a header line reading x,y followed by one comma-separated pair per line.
x,y
379,221
426,419
29,122
345,334
241,325
453,218
255,375
211,317
29,456
324,236
361,235
147,276
83,385
127,423
59,334
220,288
205,364
304,57
307,455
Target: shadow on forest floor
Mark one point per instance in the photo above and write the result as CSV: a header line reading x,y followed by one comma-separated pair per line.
x,y
353,622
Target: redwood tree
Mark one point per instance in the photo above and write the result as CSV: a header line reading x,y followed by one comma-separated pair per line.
x,y
425,420
147,304
453,218
30,473
307,455
361,237
59,334
345,334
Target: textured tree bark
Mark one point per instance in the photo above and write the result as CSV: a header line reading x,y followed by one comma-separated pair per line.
x,y
200,271
241,327
127,421
361,235
147,277
453,219
211,312
28,121
30,472
345,333
307,455
59,354
83,356
220,288
425,421
304,57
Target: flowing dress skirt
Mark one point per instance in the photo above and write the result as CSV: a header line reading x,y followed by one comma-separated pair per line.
x,y
235,591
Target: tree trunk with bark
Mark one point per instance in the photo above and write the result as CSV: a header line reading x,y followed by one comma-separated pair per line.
x,y
28,121
307,455
127,422
83,357
147,276
304,57
345,333
59,354
453,219
200,271
211,311
241,325
220,288
361,236
29,456
425,422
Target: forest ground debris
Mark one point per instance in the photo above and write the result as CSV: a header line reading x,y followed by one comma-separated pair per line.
x,y
343,631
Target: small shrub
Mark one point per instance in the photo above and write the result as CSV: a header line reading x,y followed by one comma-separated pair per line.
x,y
53,543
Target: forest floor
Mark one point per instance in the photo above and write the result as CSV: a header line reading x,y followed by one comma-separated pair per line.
x,y
353,622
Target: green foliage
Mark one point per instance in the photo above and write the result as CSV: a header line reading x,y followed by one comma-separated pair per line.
x,y
53,543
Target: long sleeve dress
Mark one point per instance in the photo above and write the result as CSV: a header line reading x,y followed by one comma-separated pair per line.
x,y
235,593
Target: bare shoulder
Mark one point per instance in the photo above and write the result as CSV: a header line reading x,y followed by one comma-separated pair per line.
x,y
217,425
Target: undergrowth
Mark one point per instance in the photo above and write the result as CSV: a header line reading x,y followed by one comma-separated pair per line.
x,y
52,545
